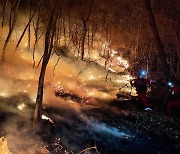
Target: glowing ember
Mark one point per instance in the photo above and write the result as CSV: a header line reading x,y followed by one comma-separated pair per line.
x,y
110,69
47,118
72,86
120,81
113,53
91,77
128,77
91,93
21,106
29,85
122,62
3,94
105,95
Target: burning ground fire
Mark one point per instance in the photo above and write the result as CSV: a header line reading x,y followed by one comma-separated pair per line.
x,y
76,76
91,83
66,75
70,87
72,82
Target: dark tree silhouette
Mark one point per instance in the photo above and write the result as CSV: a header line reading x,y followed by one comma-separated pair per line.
x,y
11,26
49,40
157,39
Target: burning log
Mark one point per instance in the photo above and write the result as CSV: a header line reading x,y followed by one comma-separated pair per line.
x,y
71,96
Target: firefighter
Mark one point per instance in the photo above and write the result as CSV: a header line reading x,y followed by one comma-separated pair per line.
x,y
141,88
175,98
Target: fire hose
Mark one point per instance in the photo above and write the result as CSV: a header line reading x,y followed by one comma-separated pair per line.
x,y
126,85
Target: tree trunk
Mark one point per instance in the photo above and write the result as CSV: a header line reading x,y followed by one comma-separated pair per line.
x,y
3,12
159,45
39,98
11,29
38,108
85,21
24,31
83,40
49,38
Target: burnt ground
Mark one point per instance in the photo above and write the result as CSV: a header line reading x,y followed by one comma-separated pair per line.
x,y
114,126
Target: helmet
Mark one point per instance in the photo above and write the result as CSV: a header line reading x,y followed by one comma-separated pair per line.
x,y
170,84
142,73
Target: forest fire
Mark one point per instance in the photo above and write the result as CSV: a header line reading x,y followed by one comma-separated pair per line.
x,y
68,76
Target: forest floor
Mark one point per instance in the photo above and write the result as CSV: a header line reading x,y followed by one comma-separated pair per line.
x,y
109,127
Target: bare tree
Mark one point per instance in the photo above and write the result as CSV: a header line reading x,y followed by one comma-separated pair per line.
x,y
49,40
84,29
37,37
28,25
3,12
159,45
11,26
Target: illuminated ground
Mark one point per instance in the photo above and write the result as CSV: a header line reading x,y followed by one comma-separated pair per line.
x,y
112,126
